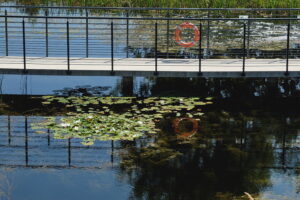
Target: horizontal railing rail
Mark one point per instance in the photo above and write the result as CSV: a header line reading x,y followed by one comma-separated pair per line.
x,y
150,8
154,18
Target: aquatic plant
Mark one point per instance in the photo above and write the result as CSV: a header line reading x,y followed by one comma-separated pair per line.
x,y
115,118
91,127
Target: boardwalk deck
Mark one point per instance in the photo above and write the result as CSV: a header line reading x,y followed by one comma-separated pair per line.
x,y
146,67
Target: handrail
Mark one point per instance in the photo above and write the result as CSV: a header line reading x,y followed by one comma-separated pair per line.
x,y
149,18
150,8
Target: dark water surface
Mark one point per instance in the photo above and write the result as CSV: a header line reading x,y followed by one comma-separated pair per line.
x,y
254,150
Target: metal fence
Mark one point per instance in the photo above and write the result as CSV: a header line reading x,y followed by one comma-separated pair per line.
x,y
147,33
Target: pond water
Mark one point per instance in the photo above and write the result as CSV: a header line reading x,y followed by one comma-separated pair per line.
x,y
254,150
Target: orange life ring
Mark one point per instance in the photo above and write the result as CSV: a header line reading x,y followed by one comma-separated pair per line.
x,y
176,123
184,26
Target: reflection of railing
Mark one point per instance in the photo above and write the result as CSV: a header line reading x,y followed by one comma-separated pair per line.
x,y
107,36
21,146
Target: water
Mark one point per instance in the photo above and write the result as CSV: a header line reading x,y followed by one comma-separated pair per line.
x,y
64,184
254,151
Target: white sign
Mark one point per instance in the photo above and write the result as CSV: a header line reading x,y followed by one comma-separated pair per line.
x,y
243,16
298,17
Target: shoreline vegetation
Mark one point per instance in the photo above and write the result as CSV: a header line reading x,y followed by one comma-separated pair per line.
x,y
164,3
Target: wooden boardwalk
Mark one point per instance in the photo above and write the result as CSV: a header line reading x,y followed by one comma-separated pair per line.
x,y
146,67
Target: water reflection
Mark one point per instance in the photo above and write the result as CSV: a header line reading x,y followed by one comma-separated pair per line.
x,y
224,160
231,153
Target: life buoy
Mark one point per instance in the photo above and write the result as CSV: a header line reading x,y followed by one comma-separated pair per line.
x,y
180,28
177,130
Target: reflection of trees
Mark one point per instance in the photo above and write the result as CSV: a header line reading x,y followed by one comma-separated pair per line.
x,y
225,88
230,155
83,91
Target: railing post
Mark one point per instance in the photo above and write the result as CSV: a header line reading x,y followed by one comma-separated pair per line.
x,y
127,34
283,157
112,153
87,34
287,49
200,51
208,34
112,48
24,46
68,45
156,72
6,33
47,36
48,137
26,141
248,39
9,130
244,50
69,152
168,30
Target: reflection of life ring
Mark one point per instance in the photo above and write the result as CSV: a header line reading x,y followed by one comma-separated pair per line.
x,y
178,32
177,122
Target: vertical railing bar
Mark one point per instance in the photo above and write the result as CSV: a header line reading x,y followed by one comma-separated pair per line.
x,y
69,152
283,148
24,45
26,140
112,47
87,34
248,39
208,34
200,51
168,30
156,72
48,137
47,36
244,49
287,49
6,33
9,130
127,34
68,45
243,136
112,153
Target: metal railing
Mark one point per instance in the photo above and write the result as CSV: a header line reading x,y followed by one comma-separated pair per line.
x,y
125,36
23,147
